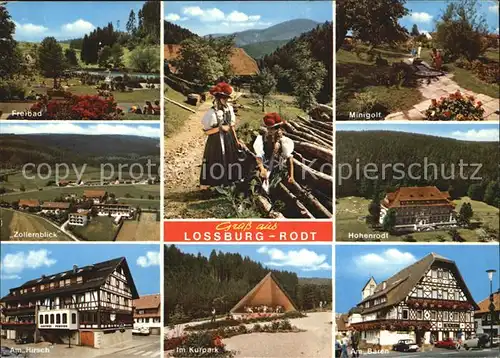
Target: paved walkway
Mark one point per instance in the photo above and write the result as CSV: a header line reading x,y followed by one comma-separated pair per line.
x,y
443,86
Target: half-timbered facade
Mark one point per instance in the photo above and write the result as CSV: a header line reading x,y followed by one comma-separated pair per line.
x,y
92,305
427,300
419,208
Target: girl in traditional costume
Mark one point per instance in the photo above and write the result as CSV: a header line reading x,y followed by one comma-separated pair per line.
x,y
274,153
221,162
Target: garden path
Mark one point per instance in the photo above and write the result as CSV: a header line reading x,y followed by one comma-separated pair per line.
x,y
443,86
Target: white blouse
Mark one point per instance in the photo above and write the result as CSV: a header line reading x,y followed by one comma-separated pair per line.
x,y
286,143
212,117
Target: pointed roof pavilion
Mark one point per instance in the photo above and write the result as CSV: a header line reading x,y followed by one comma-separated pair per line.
x,y
267,292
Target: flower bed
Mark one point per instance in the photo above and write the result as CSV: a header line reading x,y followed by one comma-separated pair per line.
x,y
455,107
204,344
78,108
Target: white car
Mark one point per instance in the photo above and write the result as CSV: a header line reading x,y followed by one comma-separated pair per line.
x,y
479,341
143,331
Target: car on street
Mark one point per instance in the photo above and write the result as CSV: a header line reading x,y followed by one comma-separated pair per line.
x,y
479,341
448,343
141,331
405,345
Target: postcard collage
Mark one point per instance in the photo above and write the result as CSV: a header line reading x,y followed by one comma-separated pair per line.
x,y
250,179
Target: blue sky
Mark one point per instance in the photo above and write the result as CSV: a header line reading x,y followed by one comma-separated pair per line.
x,y
472,132
305,260
425,14
24,262
209,17
67,20
355,264
105,128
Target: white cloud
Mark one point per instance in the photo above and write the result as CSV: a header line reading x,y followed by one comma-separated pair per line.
x,y
175,17
152,258
305,259
13,264
193,11
214,14
421,17
478,135
73,128
387,262
30,29
79,27
493,8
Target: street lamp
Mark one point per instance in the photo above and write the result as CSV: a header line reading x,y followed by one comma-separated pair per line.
x,y
490,273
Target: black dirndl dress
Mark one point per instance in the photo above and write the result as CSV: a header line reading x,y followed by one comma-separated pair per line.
x,y
222,164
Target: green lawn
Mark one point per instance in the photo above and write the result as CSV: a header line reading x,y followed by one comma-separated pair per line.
x,y
175,116
357,74
50,193
467,79
351,213
100,228
142,203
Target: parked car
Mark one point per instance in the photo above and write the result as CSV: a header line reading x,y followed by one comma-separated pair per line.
x,y
446,343
405,345
142,331
479,341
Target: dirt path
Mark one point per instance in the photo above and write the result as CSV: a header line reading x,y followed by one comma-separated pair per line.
x,y
443,86
183,156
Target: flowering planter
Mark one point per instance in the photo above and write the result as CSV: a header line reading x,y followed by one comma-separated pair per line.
x,y
455,107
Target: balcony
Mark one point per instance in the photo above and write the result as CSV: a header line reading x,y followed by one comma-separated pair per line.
x,y
20,310
392,325
65,318
17,324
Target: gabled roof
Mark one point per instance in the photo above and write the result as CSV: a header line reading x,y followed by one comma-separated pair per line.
x,y
55,205
94,276
30,203
417,195
147,302
241,62
399,286
484,305
367,282
267,292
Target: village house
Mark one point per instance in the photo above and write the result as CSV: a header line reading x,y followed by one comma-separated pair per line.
x,y
29,204
426,300
341,324
80,218
97,196
419,208
483,316
54,207
115,210
147,313
92,305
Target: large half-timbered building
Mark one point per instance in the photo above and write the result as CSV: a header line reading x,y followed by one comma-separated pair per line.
x,y
426,300
90,305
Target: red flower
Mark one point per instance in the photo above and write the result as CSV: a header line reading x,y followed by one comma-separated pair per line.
x,y
479,104
218,341
447,114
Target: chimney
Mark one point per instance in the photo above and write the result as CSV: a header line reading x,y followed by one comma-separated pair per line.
x,y
75,267
384,285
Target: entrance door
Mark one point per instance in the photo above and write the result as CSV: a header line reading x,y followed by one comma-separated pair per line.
x,y
419,335
87,338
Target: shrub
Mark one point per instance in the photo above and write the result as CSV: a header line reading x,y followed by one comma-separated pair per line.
x,y
211,343
368,103
257,327
213,325
455,107
11,90
285,325
275,325
145,59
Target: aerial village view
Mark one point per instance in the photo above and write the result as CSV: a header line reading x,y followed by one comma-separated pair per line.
x,y
56,185
417,60
188,179
59,302
71,61
258,75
